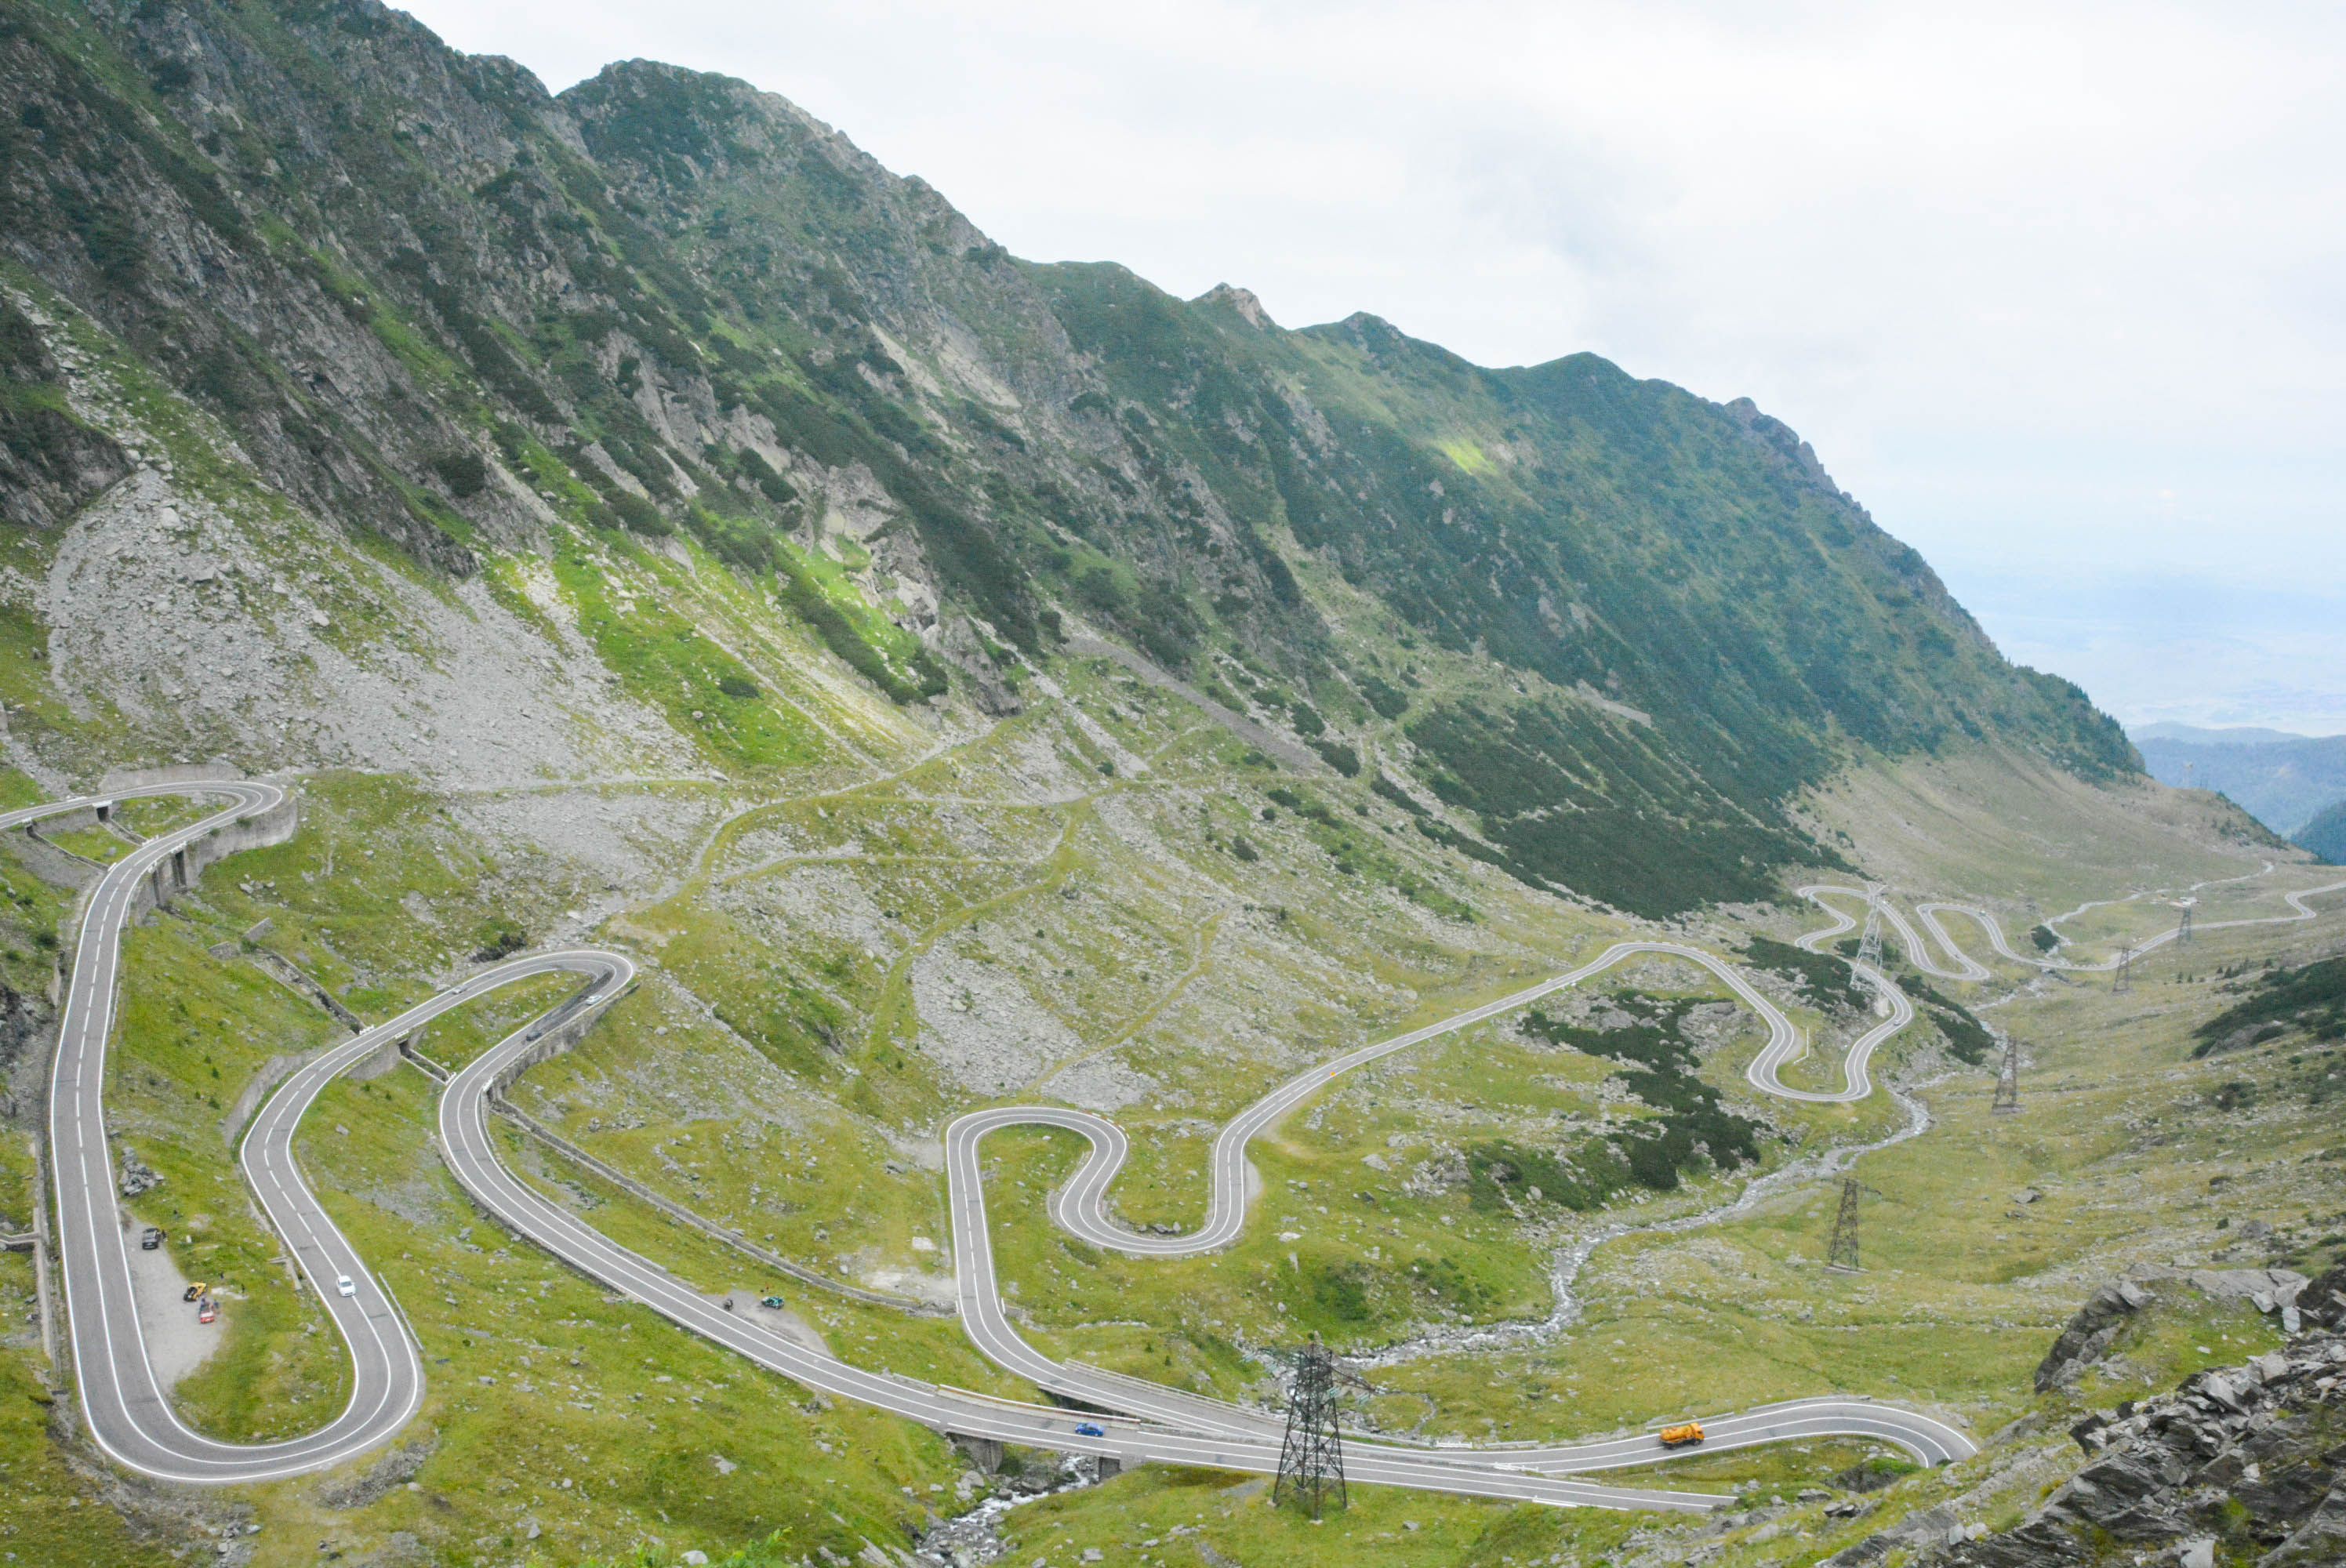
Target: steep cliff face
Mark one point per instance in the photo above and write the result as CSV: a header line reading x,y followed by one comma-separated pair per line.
x,y
1614,627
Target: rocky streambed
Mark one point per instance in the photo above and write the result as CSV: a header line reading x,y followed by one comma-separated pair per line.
x,y
1564,1269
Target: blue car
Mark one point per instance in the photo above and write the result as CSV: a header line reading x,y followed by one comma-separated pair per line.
x,y
1089,1429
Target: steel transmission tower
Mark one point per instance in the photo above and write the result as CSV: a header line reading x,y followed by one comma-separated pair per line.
x,y
2007,1078
1311,1460
1840,1252
2124,981
2183,925
1869,946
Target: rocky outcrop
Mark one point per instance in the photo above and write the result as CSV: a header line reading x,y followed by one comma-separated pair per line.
x,y
24,1019
137,1175
2241,1464
2322,1303
2096,1328
51,462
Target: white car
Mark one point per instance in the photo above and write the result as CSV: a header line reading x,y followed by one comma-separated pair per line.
x,y
342,1284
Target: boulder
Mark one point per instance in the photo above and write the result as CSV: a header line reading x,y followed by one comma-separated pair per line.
x,y
2322,1303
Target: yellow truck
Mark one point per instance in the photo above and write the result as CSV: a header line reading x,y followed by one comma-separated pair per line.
x,y
1682,1435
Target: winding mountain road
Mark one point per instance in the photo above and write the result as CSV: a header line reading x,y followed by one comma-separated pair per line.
x,y
130,1415
132,1419
1961,966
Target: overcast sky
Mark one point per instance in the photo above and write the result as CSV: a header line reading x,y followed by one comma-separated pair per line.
x,y
2058,291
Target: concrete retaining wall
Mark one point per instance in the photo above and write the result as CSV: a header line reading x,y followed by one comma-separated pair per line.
x,y
552,1044
176,872
169,773
58,868
286,973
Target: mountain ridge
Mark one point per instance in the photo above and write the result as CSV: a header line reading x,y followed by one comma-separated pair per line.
x,y
429,300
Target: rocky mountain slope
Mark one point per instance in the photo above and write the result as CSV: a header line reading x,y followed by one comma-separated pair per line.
x,y
430,325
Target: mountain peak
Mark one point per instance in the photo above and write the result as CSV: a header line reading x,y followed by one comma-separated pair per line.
x,y
1240,302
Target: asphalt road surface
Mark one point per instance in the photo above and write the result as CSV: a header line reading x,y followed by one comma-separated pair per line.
x,y
130,1415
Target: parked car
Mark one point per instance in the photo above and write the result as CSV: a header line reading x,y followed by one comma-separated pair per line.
x,y
150,1238
208,1311
194,1292
773,1301
343,1286
1089,1429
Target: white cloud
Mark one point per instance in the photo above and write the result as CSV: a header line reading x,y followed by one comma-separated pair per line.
x,y
2055,281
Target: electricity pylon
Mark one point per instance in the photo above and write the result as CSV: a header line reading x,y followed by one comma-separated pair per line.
x,y
2124,981
2183,925
1869,946
2007,1078
1311,1458
1840,1252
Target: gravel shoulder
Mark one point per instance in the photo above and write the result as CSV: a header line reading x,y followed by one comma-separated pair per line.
x,y
175,1343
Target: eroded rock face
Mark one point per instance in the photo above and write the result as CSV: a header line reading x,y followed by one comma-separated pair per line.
x,y
2096,1328
2241,1464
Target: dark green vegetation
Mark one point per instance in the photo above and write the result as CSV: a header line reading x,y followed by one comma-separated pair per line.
x,y
1653,837
1968,1040
2326,835
1828,983
2312,998
1623,626
1693,1131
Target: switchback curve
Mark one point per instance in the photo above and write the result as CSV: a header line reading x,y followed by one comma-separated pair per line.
x,y
134,1423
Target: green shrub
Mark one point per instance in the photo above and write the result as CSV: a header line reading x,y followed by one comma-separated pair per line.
x,y
1338,756
2312,997
805,596
1390,701
638,515
461,470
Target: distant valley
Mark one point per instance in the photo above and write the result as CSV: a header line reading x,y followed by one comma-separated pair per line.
x,y
2286,781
